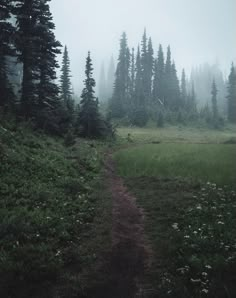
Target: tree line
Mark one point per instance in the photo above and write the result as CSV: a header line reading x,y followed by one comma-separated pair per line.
x,y
27,38
148,88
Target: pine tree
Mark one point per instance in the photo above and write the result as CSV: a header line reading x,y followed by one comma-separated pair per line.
x,y
65,81
159,77
90,123
27,17
132,74
183,89
48,49
174,95
102,85
144,67
6,49
214,92
191,104
37,49
139,115
120,96
168,79
231,97
110,78
150,66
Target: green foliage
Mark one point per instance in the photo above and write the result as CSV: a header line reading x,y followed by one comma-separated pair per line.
x,y
7,97
192,230
232,95
37,49
120,95
46,209
66,88
91,124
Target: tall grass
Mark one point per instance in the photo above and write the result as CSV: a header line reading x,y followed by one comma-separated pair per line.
x,y
206,162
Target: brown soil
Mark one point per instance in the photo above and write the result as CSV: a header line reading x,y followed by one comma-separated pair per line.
x,y
130,255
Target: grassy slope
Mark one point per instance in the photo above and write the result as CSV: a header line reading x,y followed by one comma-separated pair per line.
x,y
191,225
48,214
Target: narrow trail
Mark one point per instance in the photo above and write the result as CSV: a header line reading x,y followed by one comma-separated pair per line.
x,y
131,253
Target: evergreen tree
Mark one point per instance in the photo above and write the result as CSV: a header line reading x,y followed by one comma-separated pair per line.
x,y
37,49
168,79
26,12
132,74
48,49
214,92
191,104
6,49
159,77
139,116
110,78
150,66
120,96
90,123
183,89
174,95
145,67
231,97
65,82
102,84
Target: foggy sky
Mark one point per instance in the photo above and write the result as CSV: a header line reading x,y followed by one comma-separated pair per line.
x,y
198,31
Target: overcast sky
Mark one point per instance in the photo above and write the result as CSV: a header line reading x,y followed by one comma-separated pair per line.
x,y
198,31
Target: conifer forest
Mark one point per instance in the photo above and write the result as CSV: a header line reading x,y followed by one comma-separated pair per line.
x,y
117,149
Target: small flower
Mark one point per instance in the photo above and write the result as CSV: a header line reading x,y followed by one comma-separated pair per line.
x,y
208,267
204,274
175,226
195,280
205,291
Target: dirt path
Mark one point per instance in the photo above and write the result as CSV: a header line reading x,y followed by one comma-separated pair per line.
x,y
130,255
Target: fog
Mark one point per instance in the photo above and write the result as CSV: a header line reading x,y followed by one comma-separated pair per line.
x,y
198,31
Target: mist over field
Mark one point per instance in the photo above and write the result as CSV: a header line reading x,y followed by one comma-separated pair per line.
x,y
198,31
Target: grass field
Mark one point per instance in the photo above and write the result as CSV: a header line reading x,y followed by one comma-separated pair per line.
x,y
206,162
177,134
187,191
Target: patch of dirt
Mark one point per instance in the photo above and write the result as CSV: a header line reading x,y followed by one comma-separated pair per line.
x,y
131,253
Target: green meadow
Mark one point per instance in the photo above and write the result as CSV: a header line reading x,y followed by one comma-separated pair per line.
x,y
184,180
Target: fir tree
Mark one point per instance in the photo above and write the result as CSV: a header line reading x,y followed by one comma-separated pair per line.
x,y
150,66
132,74
168,78
27,17
214,92
37,49
102,84
121,87
145,67
174,95
66,87
90,123
231,97
139,115
183,89
110,78
48,49
6,49
159,77
191,104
